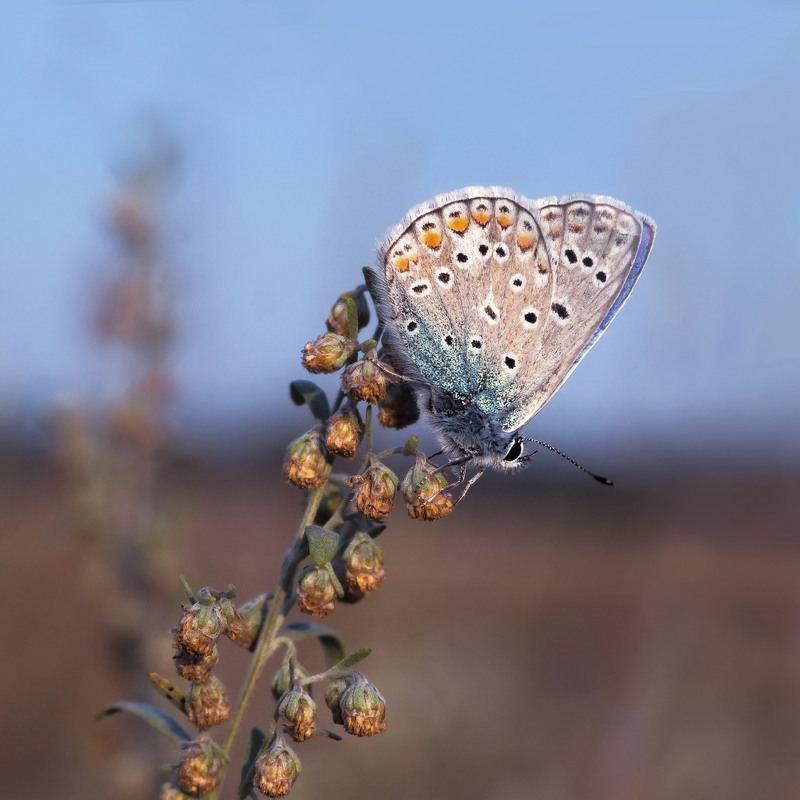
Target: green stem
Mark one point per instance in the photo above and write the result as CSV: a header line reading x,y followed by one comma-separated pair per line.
x,y
270,627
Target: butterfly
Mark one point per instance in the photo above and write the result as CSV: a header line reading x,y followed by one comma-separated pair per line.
x,y
489,300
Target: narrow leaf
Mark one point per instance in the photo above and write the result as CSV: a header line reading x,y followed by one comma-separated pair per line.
x,y
166,688
332,645
254,744
162,722
309,393
352,659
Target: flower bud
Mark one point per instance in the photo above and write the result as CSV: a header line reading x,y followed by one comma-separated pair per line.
x,y
252,614
345,430
337,321
363,708
304,465
276,770
374,491
328,353
300,713
193,666
423,489
316,593
398,407
198,772
207,704
198,628
363,564
365,380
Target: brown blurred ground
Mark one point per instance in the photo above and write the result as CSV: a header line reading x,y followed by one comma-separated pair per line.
x,y
562,644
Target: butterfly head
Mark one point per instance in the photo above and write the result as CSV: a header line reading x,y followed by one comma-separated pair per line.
x,y
471,434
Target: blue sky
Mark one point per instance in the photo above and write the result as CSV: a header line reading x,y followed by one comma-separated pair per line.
x,y
308,129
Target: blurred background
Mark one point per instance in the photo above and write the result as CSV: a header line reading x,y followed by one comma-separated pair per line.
x,y
186,187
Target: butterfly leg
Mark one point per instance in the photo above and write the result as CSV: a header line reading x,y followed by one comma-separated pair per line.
x,y
469,483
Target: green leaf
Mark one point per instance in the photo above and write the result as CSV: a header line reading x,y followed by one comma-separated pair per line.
x,y
309,393
161,721
352,659
328,734
332,645
254,743
166,688
322,544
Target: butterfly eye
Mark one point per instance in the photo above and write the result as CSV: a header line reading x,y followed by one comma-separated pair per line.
x,y
514,451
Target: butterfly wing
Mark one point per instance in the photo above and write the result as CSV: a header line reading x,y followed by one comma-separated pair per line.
x,y
445,278
491,299
597,248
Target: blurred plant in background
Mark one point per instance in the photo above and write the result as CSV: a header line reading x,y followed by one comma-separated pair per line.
x,y
111,456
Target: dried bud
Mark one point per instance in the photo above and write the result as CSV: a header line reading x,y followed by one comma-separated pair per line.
x,y
305,465
423,489
345,430
363,564
366,379
198,629
207,703
283,679
337,321
300,713
198,772
193,666
316,593
276,770
328,352
398,407
363,708
374,491
252,614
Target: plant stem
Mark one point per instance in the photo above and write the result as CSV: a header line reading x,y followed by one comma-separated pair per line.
x,y
270,628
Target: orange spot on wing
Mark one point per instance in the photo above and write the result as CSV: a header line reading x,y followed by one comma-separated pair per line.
x,y
525,241
504,220
481,216
400,264
555,230
432,239
576,227
459,224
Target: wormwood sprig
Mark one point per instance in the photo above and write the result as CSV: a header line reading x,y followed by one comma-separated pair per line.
x,y
333,558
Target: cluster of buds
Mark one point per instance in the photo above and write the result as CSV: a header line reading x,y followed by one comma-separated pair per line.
x,y
206,700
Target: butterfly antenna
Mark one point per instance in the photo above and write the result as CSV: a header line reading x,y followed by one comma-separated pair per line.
x,y
598,478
